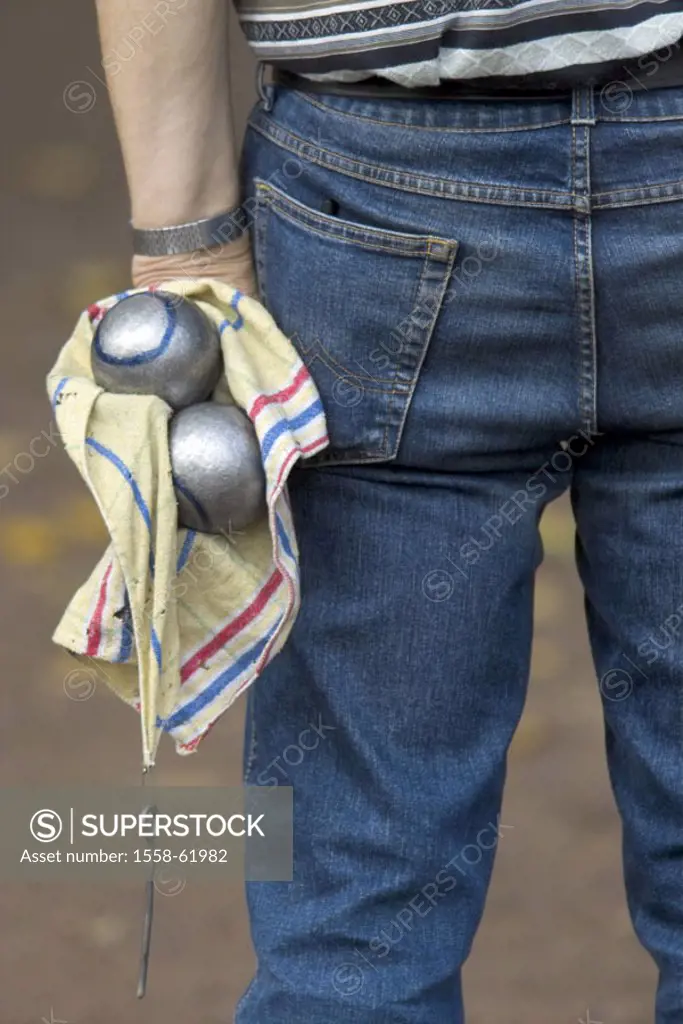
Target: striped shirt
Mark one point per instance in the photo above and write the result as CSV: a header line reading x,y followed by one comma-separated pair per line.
x,y
421,42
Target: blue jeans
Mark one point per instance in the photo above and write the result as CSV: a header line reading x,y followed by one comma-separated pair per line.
x,y
489,295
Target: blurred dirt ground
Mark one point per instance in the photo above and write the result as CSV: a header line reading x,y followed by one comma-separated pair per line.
x,y
555,944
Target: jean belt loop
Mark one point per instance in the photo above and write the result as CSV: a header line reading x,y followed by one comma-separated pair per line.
x,y
265,91
583,105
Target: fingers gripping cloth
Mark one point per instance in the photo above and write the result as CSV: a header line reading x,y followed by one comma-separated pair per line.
x,y
180,622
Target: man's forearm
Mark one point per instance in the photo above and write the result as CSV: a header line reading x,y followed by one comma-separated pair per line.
x,y
172,107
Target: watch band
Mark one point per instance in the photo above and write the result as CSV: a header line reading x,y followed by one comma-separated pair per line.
x,y
221,229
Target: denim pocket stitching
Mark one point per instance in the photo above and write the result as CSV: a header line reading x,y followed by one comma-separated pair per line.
x,y
392,452
345,232
423,346
260,227
336,366
443,257
260,224
387,453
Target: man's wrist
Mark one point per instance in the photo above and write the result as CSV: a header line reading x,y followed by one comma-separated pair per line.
x,y
191,236
232,263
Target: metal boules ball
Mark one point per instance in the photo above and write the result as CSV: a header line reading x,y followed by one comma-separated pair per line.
x,y
155,343
217,470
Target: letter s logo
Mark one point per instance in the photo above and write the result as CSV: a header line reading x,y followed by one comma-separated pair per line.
x,y
46,826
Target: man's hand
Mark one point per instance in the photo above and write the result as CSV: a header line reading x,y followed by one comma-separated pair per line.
x,y
230,263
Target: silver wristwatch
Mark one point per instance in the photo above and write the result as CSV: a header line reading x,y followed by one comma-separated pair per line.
x,y
209,232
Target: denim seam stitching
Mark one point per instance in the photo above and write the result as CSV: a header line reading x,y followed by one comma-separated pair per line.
x,y
590,281
260,225
329,108
365,455
329,360
344,457
344,372
386,452
641,120
639,196
393,451
591,421
584,281
577,285
644,201
676,183
372,246
343,231
409,183
440,291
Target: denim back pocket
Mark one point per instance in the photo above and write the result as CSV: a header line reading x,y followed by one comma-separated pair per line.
x,y
359,304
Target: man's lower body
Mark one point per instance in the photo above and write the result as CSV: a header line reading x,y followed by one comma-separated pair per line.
x,y
489,295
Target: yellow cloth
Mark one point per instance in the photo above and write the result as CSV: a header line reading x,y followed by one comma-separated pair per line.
x,y
185,620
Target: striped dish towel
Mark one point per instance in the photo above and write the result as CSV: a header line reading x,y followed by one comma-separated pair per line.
x,y
179,622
